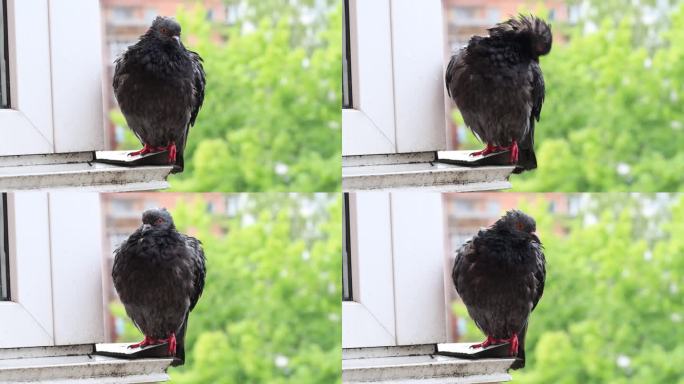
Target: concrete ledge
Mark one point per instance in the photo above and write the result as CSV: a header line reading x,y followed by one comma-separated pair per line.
x,y
423,369
83,369
433,176
420,171
93,176
371,352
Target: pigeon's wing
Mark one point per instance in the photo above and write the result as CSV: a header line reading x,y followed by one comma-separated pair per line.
x,y
120,74
539,272
121,270
454,69
538,90
464,257
120,255
199,266
199,81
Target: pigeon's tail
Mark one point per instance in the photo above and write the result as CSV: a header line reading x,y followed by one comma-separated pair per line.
x,y
526,161
180,344
180,150
526,158
520,360
180,163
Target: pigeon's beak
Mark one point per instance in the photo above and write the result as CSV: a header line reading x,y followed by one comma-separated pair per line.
x,y
177,40
146,227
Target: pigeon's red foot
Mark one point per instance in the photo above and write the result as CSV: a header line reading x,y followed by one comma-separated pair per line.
x,y
146,149
146,341
172,344
172,152
514,151
488,149
513,351
488,341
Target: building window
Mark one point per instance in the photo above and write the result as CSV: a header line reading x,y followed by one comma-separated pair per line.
x,y
4,251
4,57
120,14
346,60
346,253
150,15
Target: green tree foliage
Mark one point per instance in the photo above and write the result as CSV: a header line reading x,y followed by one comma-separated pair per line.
x,y
309,15
271,114
612,310
270,312
612,120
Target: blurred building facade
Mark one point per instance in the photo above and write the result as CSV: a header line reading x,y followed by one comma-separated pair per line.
x,y
467,213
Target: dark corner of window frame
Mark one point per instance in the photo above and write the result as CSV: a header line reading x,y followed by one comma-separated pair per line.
x,y
5,243
347,98
5,53
346,259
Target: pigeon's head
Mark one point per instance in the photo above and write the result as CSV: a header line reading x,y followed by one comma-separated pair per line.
x,y
166,29
542,38
517,221
157,219
533,32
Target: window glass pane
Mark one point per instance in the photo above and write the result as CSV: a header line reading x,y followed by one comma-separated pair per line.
x,y
346,60
4,250
4,57
346,253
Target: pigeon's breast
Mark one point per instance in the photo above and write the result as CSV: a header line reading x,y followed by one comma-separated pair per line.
x,y
157,109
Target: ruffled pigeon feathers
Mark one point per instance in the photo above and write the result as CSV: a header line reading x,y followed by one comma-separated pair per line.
x,y
498,86
500,274
159,276
159,86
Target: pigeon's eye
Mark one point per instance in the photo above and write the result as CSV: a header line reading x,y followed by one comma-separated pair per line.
x,y
163,30
158,221
519,226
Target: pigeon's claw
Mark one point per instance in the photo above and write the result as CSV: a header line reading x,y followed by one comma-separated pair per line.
x,y
172,153
488,149
145,150
488,341
146,341
172,344
513,350
514,152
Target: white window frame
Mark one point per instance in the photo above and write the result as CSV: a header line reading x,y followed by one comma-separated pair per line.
x,y
55,78
397,246
55,271
397,51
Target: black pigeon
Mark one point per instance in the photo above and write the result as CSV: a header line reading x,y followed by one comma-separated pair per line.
x,y
159,276
499,274
498,86
160,89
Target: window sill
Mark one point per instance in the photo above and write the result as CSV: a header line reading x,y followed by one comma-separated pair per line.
x,y
62,366
419,365
77,170
419,171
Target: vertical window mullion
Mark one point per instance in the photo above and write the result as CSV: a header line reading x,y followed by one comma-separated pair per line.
x,y
347,291
347,100
4,58
4,251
